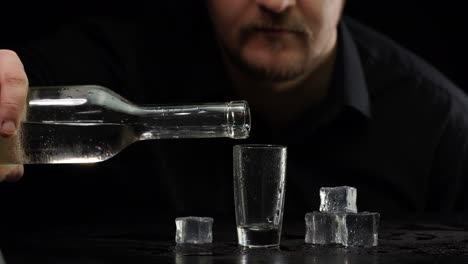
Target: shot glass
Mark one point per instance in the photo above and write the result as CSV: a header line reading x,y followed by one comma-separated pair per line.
x,y
259,190
194,230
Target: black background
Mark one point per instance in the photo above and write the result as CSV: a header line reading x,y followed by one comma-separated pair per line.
x,y
434,31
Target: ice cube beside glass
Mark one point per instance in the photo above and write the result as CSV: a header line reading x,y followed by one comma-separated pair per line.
x,y
338,199
360,230
194,230
339,222
322,228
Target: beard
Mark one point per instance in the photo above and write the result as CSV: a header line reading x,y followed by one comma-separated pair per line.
x,y
280,72
285,69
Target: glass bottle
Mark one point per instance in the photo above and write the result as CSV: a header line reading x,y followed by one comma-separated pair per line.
x,y
85,124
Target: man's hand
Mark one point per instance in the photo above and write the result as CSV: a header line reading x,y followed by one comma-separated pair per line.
x,y
11,173
13,94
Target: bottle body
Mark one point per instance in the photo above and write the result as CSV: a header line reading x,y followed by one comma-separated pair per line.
x,y
83,124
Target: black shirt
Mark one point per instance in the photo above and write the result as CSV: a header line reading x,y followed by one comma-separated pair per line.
x,y
392,126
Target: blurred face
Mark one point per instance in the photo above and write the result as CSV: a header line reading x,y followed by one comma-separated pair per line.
x,y
275,40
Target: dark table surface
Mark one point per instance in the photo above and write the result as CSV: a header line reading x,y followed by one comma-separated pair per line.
x,y
412,240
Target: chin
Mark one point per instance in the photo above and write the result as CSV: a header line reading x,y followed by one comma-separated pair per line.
x,y
275,69
269,58
274,73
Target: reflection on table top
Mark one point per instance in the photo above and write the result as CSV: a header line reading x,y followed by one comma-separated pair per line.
x,y
398,243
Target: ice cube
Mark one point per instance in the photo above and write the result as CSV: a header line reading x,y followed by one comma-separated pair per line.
x,y
322,228
338,199
359,229
194,230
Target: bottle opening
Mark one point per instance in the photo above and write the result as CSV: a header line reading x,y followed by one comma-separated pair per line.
x,y
238,116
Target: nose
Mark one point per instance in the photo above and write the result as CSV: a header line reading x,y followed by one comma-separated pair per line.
x,y
276,6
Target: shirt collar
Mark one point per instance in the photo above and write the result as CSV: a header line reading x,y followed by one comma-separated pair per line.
x,y
348,78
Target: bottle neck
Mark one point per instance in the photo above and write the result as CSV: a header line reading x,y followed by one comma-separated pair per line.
x,y
209,120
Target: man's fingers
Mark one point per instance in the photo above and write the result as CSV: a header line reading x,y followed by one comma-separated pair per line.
x,y
13,92
11,173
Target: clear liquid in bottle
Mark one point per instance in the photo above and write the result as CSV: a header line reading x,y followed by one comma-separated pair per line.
x,y
85,124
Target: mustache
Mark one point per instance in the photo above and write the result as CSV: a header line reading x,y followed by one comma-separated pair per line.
x,y
294,25
296,28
